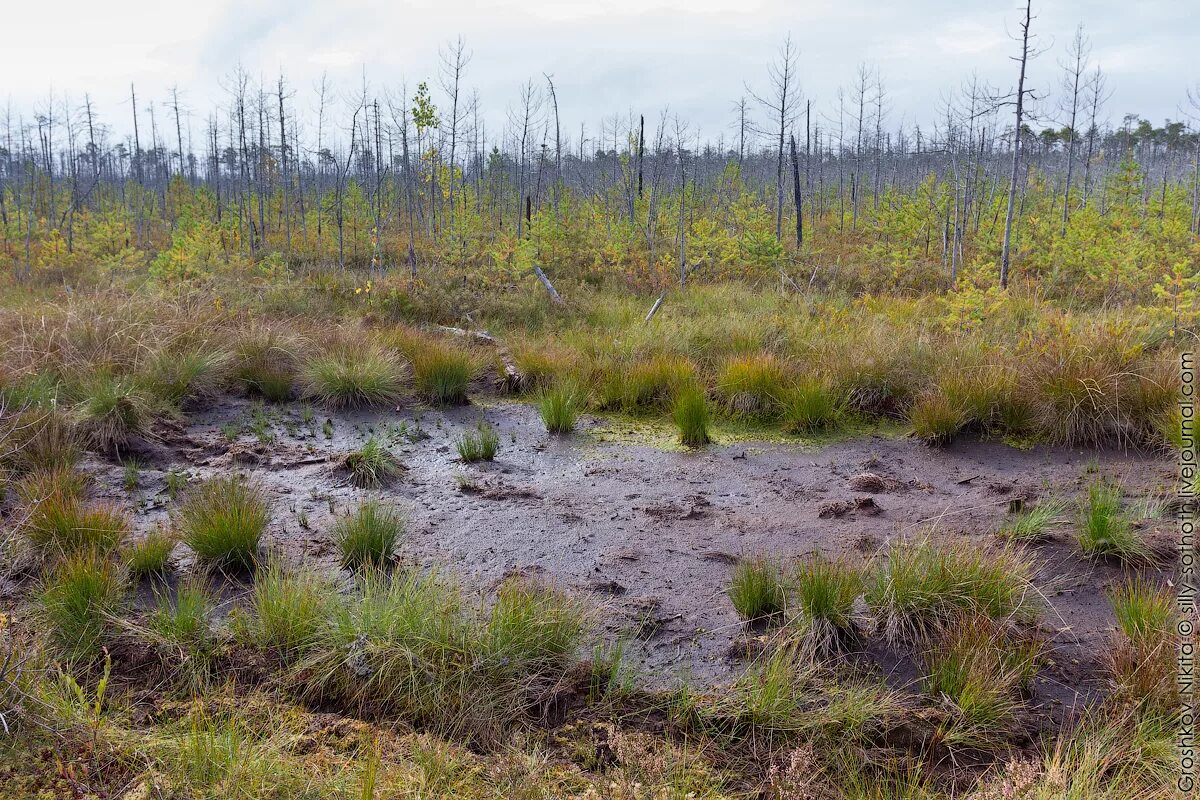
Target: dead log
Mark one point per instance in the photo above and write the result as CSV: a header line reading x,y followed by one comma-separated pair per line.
x,y
554,295
511,380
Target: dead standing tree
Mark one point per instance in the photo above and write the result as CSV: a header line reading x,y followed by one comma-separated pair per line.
x,y
1017,99
780,104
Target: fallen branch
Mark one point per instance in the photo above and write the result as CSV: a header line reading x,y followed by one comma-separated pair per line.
x,y
554,295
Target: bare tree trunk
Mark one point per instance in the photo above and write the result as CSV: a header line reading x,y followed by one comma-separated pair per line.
x,y
1005,253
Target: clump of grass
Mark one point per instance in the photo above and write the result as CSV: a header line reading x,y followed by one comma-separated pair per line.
x,y
770,698
353,378
691,417
977,673
58,520
920,588
180,624
650,385
264,364
480,444
1106,531
289,609
131,474
809,406
79,600
184,376
441,374
372,465
111,412
559,407
757,589
824,593
1143,610
151,555
1034,524
532,629
1142,660
368,537
222,521
175,481
38,440
753,385
935,418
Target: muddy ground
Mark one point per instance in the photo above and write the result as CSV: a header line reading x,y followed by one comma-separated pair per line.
x,y
651,534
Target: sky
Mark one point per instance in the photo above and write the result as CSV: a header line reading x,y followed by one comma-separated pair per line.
x,y
694,58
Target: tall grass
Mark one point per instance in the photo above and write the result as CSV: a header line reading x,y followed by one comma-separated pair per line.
x,y
559,407
1035,524
111,412
824,593
79,600
757,589
691,417
372,465
57,519
1105,530
347,377
265,363
223,520
289,609
368,537
753,385
151,554
442,374
809,406
919,588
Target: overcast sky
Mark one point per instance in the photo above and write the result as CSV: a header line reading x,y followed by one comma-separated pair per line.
x,y
606,56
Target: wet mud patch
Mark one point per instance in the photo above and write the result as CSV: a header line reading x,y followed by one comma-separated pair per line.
x,y
652,535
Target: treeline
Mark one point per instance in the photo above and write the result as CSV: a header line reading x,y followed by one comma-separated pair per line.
x,y
798,192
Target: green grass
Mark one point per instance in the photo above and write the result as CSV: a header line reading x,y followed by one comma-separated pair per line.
x,y
935,418
1035,524
151,555
757,589
480,444
1144,610
111,412
824,593
753,385
559,407
372,465
265,364
222,520
289,608
353,378
58,520
810,406
441,374
532,629
180,625
1105,531
38,440
920,588
368,537
185,376
79,600
645,385
691,417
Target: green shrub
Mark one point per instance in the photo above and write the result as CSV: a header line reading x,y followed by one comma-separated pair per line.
x,y
359,378
479,445
757,589
559,408
369,536
222,521
691,417
79,600
372,465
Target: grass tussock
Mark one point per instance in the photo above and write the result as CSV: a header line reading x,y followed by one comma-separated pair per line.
x,y
1105,530
1142,660
936,419
1035,524
442,374
757,589
753,385
183,376
918,589
111,413
265,363
223,519
559,407
353,377
368,537
79,601
824,593
289,609
151,555
57,519
481,444
810,406
643,386
691,417
372,465
38,440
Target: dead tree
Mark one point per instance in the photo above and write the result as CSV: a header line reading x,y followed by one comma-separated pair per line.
x,y
784,78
